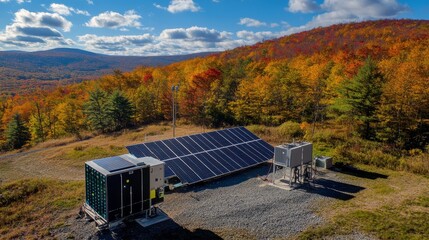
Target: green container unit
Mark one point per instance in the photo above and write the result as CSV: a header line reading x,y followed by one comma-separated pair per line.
x,y
95,186
119,187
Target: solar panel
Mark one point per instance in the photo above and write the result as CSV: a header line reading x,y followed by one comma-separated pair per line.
x,y
113,164
200,157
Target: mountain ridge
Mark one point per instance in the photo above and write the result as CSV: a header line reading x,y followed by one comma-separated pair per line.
x,y
48,68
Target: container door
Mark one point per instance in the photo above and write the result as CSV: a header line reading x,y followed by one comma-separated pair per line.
x,y
114,197
131,192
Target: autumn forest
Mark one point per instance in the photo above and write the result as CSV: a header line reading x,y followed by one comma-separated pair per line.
x,y
369,78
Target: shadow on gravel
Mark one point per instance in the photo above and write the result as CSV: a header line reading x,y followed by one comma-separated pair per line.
x,y
230,180
164,230
333,189
360,173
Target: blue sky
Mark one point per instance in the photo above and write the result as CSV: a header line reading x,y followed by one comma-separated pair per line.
x,y
169,27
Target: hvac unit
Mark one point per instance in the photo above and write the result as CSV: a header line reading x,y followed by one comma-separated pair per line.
x,y
324,162
293,154
122,186
298,158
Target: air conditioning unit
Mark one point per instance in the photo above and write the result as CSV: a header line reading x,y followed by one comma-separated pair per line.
x,y
293,154
324,162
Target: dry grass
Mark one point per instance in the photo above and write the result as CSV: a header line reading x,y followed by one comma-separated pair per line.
x,y
381,209
396,207
64,158
31,208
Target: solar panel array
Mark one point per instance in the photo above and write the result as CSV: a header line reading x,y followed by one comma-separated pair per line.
x,y
199,157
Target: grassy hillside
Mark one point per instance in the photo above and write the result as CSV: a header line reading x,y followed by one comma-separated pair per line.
x,y
42,188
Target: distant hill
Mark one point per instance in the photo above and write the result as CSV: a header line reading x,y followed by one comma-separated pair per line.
x,y
361,38
19,69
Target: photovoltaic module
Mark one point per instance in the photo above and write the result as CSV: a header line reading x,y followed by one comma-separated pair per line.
x,y
200,157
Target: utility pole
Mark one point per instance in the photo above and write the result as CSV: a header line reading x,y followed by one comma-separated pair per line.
x,y
174,90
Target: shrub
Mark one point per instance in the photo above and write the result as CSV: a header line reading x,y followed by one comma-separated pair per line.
x,y
416,164
259,129
290,130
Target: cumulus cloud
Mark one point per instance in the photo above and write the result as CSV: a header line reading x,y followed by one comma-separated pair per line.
x,y
249,22
168,42
115,43
65,10
366,8
18,1
173,41
31,29
253,37
304,6
90,2
180,6
194,34
36,31
40,19
338,11
115,20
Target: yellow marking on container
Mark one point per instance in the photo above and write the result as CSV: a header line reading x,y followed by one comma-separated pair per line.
x,y
152,194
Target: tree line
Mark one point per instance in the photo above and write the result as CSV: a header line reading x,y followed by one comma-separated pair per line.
x,y
379,87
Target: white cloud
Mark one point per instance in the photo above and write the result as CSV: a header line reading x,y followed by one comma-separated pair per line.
x,y
18,1
249,22
115,20
365,8
253,37
180,6
35,30
304,6
65,10
339,11
90,2
194,34
115,43
168,42
41,19
173,41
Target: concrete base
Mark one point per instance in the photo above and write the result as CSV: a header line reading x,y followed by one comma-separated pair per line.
x,y
146,222
282,184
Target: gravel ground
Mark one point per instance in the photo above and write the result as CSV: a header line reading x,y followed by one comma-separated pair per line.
x,y
244,202
240,206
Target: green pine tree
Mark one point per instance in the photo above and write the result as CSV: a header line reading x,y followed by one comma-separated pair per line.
x,y
96,110
17,134
120,110
362,95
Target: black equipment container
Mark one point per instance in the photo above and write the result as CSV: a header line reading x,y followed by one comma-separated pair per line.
x,y
119,187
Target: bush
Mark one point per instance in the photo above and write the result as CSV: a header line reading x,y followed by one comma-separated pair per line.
x,y
416,164
259,129
290,131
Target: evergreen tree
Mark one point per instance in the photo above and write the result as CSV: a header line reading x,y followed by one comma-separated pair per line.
x,y
17,134
362,95
120,111
96,110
